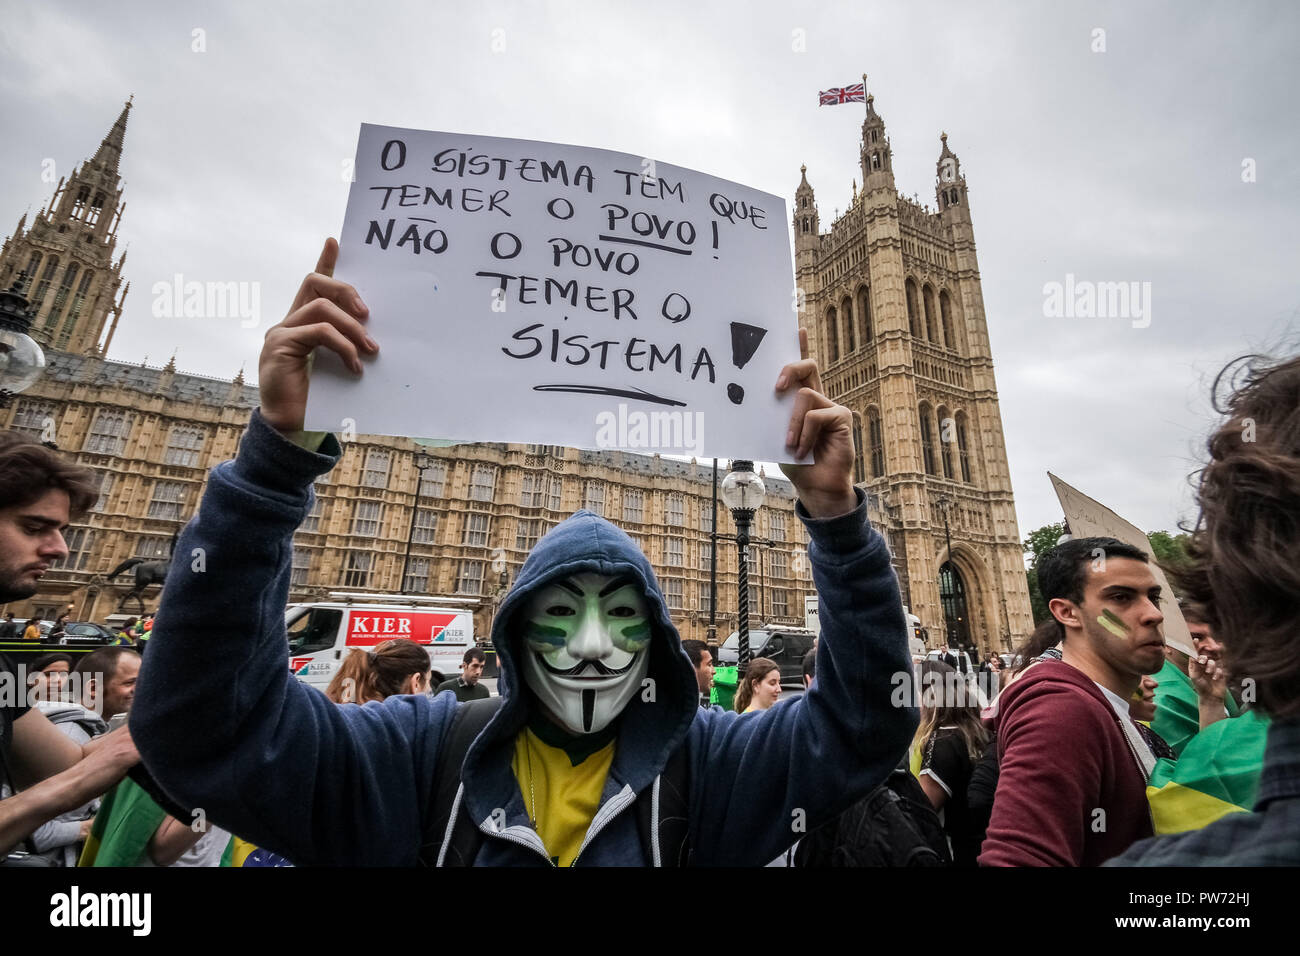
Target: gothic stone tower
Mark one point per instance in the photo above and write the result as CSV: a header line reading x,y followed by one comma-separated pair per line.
x,y
66,257
895,318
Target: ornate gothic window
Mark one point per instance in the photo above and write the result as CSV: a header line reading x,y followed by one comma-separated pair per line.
x,y
594,500
961,447
109,432
859,468
927,439
913,309
945,312
184,444
877,436
38,298
433,480
947,436
864,310
832,336
69,277
931,319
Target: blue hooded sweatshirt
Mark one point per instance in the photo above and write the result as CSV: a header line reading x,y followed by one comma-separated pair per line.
x,y
222,725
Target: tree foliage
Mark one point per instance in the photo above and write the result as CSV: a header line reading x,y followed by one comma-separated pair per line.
x,y
1170,550
1039,542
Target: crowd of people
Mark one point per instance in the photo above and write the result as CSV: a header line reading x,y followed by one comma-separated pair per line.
x,y
1098,743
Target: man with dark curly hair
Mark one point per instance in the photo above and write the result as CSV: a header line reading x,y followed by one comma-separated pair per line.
x,y
1245,580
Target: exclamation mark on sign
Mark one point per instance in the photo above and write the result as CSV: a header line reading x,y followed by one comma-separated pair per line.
x,y
745,340
715,235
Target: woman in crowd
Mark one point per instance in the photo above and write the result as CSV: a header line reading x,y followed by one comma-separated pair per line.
x,y
399,666
949,742
48,676
761,686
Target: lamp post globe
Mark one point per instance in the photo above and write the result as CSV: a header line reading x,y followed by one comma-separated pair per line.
x,y
743,493
21,359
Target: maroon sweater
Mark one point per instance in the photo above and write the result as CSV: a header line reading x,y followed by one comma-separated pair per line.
x,y
1069,789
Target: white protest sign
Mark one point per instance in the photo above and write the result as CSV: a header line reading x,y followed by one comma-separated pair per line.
x,y
535,292
1091,519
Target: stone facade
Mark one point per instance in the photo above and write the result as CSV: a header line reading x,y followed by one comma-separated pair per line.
x,y
152,434
895,316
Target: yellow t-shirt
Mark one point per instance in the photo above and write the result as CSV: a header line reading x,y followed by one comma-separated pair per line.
x,y
567,797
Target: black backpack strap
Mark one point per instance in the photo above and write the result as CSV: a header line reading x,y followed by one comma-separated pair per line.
x,y
663,814
450,837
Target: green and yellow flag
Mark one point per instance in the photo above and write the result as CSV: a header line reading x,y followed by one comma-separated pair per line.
x,y
126,821
1217,774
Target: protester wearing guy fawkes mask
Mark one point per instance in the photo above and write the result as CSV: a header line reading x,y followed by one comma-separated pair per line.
x,y
598,702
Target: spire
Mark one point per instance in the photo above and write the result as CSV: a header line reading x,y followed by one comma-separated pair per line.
x,y
239,378
875,150
171,363
950,183
109,153
806,226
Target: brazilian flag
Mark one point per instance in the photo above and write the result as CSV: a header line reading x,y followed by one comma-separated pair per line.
x,y
1178,715
127,820
1217,774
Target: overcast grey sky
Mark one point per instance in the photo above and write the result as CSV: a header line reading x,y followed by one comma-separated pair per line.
x,y
1119,165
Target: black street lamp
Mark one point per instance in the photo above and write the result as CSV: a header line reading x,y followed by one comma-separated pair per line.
x,y
21,359
743,493
422,464
945,502
713,563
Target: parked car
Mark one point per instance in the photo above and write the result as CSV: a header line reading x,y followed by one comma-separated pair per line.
x,y
82,633
785,645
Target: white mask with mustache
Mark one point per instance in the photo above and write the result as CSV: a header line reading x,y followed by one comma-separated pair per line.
x,y
586,648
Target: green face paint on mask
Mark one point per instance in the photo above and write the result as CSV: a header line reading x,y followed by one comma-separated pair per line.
x,y
544,636
565,619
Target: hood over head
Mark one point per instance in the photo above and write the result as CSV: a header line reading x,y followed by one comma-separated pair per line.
x,y
656,719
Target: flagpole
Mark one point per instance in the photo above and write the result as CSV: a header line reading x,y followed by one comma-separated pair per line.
x,y
865,108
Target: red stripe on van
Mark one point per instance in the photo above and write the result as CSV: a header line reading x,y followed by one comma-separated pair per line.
x,y
368,628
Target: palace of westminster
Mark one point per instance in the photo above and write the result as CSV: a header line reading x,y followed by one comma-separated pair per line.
x,y
895,317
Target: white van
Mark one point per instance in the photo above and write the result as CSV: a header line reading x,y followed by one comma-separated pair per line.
x,y
813,623
322,633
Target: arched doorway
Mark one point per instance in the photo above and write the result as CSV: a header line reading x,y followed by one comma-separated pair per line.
x,y
952,596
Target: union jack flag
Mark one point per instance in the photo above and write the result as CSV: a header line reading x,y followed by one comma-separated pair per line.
x,y
847,94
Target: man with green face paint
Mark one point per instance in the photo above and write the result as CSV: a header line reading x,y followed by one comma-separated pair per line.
x,y
596,740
